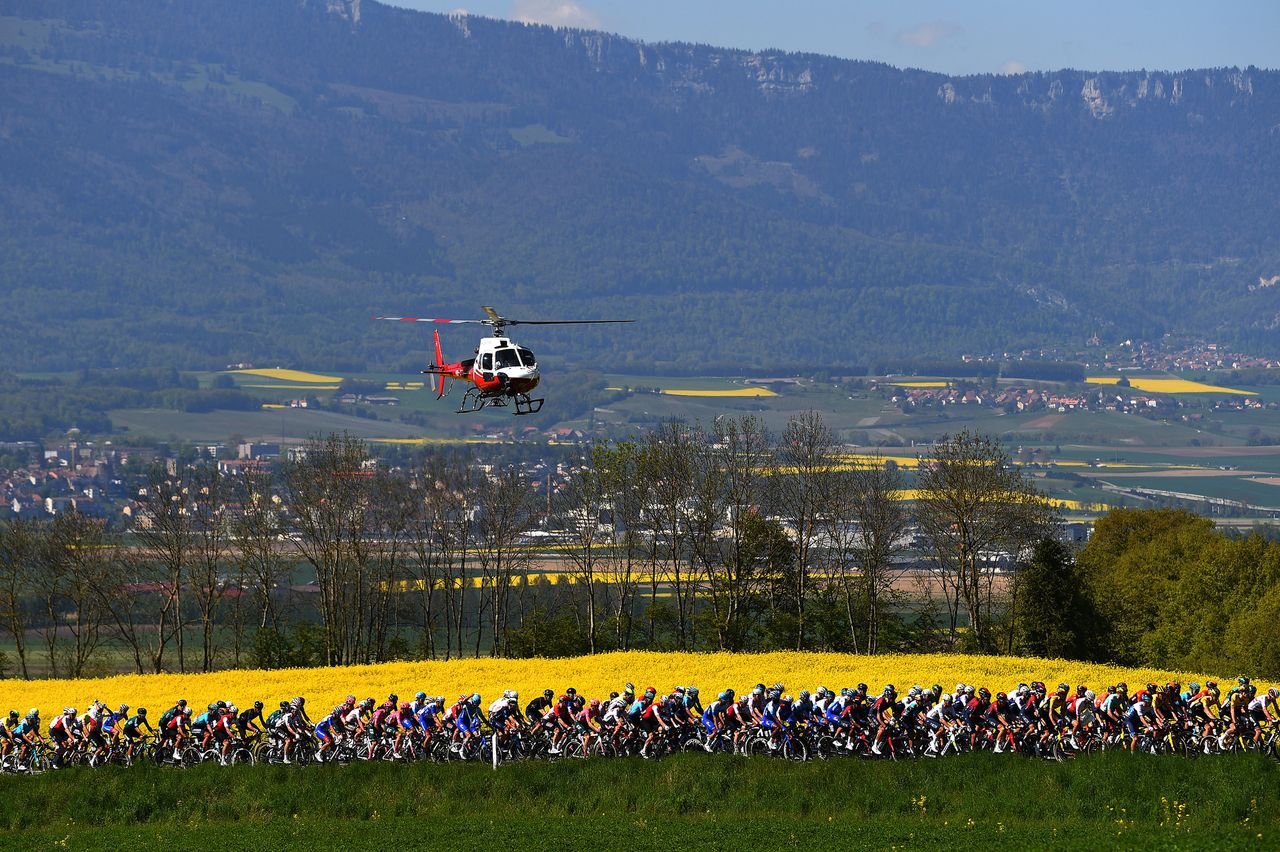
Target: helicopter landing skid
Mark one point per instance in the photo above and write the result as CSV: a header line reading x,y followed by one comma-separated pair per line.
x,y
525,405
473,400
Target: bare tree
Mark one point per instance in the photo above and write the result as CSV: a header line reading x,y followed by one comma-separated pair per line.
x,y
439,532
730,481
205,579
75,565
259,529
618,468
507,510
668,462
165,531
19,553
329,493
974,506
881,521
582,506
805,464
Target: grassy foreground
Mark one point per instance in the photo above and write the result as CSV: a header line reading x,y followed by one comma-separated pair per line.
x,y
693,800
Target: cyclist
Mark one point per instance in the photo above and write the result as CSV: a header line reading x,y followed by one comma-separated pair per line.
x,y
132,729
405,723
62,730
881,714
6,732
245,722
27,732
588,722
538,707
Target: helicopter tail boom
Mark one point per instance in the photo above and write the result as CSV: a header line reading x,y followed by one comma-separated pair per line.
x,y
439,361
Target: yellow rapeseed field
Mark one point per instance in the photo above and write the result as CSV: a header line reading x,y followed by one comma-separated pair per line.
x,y
290,375
294,387
733,392
593,676
1167,385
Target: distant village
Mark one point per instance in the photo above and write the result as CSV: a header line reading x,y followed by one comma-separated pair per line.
x,y
100,479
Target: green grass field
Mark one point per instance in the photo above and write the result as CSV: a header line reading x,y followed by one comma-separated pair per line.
x,y
693,801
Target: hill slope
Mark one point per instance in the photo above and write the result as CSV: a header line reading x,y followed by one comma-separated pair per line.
x,y
196,183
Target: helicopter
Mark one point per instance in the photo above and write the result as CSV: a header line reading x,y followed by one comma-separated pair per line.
x,y
502,372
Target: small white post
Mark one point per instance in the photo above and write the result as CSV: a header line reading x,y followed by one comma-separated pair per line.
x,y
493,739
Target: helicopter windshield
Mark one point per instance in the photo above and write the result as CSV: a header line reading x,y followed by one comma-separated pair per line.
x,y
526,357
505,358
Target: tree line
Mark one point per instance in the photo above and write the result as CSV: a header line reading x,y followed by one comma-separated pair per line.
x,y
719,538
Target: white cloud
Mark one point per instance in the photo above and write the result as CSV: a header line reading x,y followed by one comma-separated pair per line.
x,y
1013,66
556,13
927,35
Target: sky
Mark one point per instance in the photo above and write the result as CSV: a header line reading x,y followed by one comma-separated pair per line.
x,y
979,36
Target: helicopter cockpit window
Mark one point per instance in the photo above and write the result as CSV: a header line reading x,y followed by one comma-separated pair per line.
x,y
486,361
526,357
506,358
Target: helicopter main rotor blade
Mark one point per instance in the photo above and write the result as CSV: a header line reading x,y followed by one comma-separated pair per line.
x,y
561,322
429,319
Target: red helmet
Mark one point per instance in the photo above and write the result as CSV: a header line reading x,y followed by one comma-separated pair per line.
x,y
595,703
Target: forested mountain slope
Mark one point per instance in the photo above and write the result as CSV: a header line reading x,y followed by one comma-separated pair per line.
x,y
194,183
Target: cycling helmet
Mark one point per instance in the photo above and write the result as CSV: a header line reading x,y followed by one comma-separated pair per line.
x,y
946,698
1081,689
862,687
786,699
959,687
1251,689
475,698
758,690
650,691
1111,690
613,695
13,714
182,702
1242,680
142,711
804,693
124,708
284,705
984,693
1089,694
1151,687
1210,684
1063,689
68,711
629,689
968,690
367,704
774,695
212,708
186,711
404,705
257,705
222,705
1273,693
1023,689
888,689
299,701
915,691
1193,687
724,696
571,691
595,703
729,692
421,696
846,692
822,690
546,693
936,689
33,712
351,699
233,709
693,690
760,686
1001,698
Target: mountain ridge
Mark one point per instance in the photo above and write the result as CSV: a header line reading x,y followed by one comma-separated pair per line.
x,y
312,163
